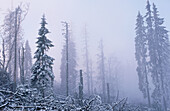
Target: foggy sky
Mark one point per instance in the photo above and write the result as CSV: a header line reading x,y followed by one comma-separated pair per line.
x,y
112,20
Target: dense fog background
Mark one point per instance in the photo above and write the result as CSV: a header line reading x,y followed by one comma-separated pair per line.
x,y
113,21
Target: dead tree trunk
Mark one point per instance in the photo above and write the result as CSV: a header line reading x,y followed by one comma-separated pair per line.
x,y
108,93
91,77
15,52
21,65
3,53
81,88
23,58
67,64
87,63
103,72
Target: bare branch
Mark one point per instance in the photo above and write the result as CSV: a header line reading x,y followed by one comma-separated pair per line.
x,y
10,56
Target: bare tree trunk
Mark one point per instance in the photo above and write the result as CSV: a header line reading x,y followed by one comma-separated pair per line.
x,y
3,53
15,53
103,72
147,88
10,56
81,88
19,60
108,93
67,59
23,58
87,63
91,77
21,65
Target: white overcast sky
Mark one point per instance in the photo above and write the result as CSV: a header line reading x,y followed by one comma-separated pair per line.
x,y
112,20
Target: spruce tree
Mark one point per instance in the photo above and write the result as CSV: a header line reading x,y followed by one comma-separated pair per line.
x,y
42,74
160,59
141,57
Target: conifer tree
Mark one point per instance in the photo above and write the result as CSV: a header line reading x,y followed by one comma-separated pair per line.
x,y
160,60
141,57
42,74
153,56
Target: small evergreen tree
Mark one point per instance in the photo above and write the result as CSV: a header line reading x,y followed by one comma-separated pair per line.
x,y
42,73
